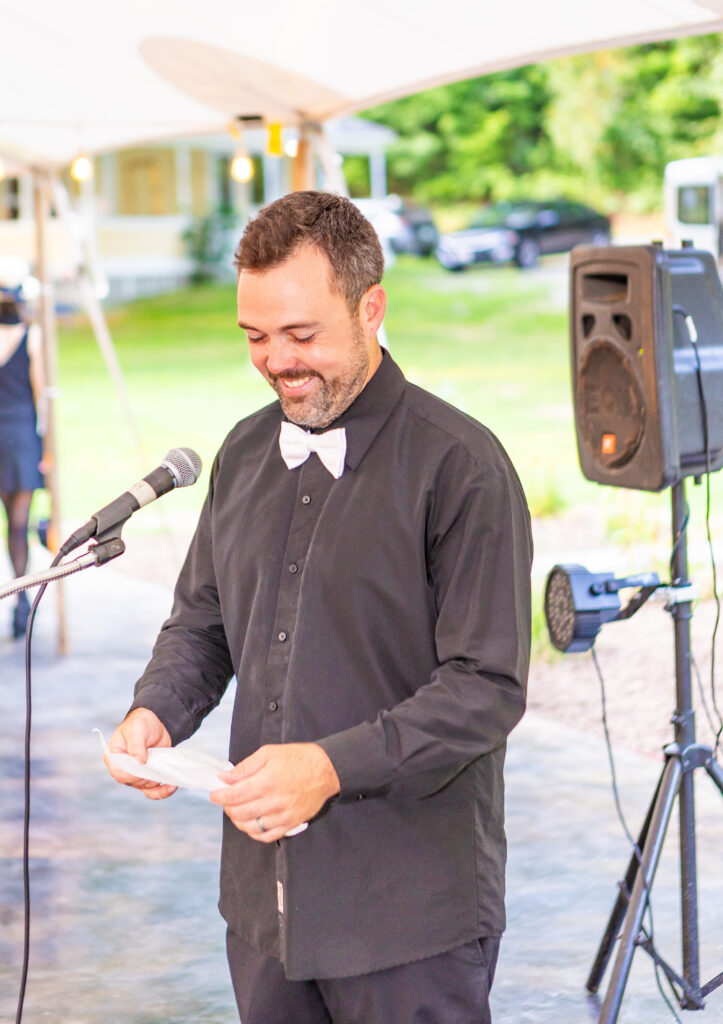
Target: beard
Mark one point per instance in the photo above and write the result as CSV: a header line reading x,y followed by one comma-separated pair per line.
x,y
330,396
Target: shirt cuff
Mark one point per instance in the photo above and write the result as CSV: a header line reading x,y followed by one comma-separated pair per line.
x,y
177,720
360,761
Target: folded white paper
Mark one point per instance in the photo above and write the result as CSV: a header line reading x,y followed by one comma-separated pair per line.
x,y
180,766
173,766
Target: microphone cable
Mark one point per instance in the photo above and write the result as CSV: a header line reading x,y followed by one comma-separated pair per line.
x,y
181,468
692,334
711,550
26,804
648,932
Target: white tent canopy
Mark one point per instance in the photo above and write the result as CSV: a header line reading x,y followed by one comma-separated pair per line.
x,y
87,76
83,76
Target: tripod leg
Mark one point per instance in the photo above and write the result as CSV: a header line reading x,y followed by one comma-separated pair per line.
x,y
621,904
669,785
689,888
716,773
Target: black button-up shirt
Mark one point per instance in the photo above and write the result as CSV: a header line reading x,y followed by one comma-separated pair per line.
x,y
386,616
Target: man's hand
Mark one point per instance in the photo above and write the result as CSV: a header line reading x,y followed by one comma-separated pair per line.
x,y
277,787
140,730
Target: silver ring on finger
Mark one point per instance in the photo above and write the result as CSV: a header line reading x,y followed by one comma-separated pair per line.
x,y
260,823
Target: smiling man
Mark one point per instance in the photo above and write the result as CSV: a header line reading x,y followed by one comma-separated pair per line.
x,y
361,565
318,361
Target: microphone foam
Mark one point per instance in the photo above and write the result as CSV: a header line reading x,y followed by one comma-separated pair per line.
x,y
184,464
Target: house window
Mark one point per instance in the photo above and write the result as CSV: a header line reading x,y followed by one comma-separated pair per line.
x,y
258,194
9,199
224,181
147,183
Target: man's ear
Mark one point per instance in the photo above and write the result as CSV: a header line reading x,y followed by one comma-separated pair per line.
x,y
372,308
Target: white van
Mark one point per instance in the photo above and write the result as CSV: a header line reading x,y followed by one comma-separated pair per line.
x,y
693,199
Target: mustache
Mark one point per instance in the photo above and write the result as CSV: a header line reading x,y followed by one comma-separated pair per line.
x,y
293,375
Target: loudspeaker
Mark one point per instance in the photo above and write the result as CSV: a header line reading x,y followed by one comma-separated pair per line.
x,y
646,337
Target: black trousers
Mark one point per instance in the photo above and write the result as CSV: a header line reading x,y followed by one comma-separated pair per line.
x,y
451,988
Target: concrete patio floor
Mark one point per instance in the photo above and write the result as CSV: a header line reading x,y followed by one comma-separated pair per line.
x,y
124,922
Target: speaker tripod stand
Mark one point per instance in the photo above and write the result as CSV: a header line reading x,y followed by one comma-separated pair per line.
x,y
682,759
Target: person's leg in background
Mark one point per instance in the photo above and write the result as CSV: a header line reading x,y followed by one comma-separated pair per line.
x,y
17,510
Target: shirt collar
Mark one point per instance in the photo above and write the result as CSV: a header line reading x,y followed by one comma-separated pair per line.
x,y
370,410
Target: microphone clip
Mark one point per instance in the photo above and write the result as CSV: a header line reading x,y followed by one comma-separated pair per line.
x,y
108,547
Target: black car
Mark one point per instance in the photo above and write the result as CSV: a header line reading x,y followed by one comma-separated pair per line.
x,y
521,231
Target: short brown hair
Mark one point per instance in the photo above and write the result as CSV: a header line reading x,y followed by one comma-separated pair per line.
x,y
332,224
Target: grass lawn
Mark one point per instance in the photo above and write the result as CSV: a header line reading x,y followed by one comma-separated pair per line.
x,y
492,341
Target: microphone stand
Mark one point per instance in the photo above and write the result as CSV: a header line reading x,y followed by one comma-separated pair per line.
x,y
683,758
97,554
182,466
108,546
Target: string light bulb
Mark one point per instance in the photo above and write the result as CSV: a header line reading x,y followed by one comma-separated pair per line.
x,y
81,168
242,168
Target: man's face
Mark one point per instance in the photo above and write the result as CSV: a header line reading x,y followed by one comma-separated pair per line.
x,y
302,338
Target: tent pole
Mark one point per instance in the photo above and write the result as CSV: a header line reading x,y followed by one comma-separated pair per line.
x,y
41,196
314,145
82,261
302,169
331,166
96,316
317,142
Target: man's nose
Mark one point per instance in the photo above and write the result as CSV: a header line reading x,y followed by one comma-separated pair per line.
x,y
280,356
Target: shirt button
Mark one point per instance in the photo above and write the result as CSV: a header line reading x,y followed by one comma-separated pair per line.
x,y
306,499
273,706
282,636
293,568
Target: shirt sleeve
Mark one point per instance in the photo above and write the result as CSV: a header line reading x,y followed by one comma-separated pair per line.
x,y
479,553
190,667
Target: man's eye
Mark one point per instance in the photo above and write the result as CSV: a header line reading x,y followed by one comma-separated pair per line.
x,y
301,341
253,340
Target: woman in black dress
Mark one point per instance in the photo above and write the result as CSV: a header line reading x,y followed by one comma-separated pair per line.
x,y
20,444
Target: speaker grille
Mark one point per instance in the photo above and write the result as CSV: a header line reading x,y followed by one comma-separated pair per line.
x,y
611,406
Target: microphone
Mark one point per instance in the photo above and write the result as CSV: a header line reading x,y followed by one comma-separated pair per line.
x,y
181,467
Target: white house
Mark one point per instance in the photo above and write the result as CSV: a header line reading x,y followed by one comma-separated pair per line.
x,y
133,211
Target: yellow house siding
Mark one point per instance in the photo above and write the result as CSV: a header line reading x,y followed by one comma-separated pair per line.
x,y
138,238
18,239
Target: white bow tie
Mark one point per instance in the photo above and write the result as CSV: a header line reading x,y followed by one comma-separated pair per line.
x,y
296,445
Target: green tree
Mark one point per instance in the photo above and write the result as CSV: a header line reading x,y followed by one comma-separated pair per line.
x,y
597,126
472,139
667,107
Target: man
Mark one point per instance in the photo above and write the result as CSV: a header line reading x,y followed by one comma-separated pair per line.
x,y
362,566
